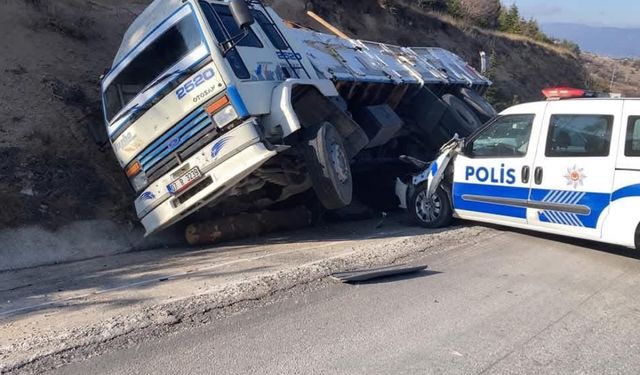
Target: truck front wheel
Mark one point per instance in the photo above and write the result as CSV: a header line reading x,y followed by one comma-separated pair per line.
x,y
328,166
430,212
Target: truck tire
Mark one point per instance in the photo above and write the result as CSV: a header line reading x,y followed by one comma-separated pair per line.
x,y
328,166
459,118
433,212
480,105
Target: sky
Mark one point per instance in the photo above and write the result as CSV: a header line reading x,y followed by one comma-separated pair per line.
x,y
616,13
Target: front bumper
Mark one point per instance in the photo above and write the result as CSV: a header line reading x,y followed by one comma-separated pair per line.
x,y
223,163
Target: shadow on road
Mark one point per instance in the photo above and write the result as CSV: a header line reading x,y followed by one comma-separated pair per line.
x,y
587,244
67,286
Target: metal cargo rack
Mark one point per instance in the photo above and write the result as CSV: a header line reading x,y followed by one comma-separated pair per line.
x,y
354,60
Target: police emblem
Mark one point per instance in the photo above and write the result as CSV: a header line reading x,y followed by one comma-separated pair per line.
x,y
575,176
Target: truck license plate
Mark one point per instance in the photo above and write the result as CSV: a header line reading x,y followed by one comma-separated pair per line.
x,y
184,181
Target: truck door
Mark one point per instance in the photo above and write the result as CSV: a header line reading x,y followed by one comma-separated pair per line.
x,y
260,56
574,167
492,177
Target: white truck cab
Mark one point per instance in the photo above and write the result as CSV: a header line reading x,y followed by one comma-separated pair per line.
x,y
569,167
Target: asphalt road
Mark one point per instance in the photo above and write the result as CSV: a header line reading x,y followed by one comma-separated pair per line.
x,y
514,304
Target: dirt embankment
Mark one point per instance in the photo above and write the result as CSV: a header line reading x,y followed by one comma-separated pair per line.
x,y
614,75
52,54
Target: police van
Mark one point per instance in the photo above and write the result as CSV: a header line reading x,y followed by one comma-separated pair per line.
x,y
569,167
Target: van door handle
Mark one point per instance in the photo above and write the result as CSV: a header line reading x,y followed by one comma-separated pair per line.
x,y
526,173
538,175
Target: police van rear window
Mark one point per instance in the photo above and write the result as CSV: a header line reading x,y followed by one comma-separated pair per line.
x,y
579,136
632,147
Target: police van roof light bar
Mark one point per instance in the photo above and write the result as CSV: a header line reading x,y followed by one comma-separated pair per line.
x,y
557,93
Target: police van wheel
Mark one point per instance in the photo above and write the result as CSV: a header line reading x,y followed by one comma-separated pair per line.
x,y
328,166
430,212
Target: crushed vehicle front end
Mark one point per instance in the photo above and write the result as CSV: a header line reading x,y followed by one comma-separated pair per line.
x,y
178,127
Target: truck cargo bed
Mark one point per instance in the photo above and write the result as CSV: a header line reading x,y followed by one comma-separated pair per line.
x,y
352,60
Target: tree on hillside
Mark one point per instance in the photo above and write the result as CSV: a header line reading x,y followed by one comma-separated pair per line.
x,y
483,13
492,15
509,20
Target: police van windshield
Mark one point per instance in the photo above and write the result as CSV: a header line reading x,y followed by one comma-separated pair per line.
x,y
163,53
506,136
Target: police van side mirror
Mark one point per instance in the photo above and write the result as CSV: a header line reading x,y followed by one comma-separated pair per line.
x,y
466,149
241,13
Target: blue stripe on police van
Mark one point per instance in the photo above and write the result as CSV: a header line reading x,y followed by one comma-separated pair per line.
x,y
515,200
626,192
560,217
491,191
596,202
434,168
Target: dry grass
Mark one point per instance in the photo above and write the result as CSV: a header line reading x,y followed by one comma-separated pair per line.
x,y
465,26
614,75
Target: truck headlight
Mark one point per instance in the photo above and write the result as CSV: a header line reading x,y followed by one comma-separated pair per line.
x,y
225,116
140,181
222,112
137,176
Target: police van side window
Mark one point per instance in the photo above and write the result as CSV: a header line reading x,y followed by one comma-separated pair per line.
x,y
507,137
632,147
579,136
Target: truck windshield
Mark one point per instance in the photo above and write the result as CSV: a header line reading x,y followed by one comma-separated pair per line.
x,y
158,57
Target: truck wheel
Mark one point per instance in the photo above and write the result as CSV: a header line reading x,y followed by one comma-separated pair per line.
x,y
430,212
480,105
460,118
328,166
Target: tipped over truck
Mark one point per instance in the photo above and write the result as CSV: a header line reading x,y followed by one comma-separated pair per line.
x,y
212,101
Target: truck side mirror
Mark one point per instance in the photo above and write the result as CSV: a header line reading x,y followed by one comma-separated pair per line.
x,y
241,13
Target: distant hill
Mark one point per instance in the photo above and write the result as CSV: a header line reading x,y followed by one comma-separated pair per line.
x,y
608,41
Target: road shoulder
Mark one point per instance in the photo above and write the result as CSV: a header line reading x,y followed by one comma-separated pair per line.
x,y
88,303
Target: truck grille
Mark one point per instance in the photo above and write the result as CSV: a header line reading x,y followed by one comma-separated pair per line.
x,y
179,143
